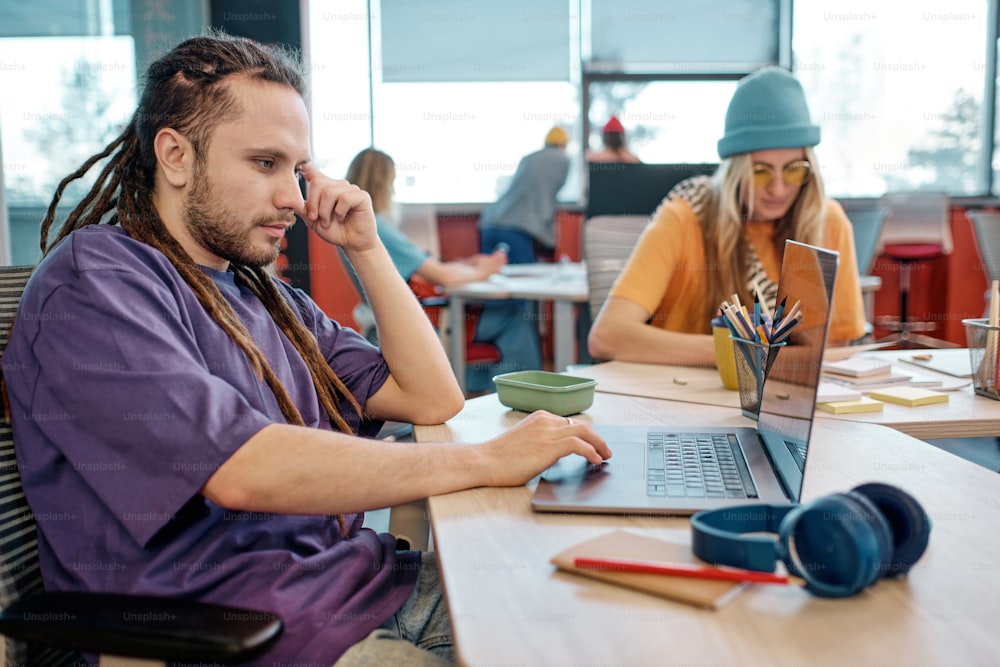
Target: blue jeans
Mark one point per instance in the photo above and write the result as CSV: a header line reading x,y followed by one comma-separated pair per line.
x,y
419,634
510,325
522,248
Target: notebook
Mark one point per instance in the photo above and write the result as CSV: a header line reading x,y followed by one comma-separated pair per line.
x,y
707,593
655,469
950,362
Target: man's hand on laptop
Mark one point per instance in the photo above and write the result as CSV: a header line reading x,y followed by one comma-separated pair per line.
x,y
537,442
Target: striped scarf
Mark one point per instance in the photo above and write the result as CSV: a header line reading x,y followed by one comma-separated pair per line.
x,y
696,191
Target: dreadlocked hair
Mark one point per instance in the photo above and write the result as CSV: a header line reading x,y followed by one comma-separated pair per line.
x,y
187,90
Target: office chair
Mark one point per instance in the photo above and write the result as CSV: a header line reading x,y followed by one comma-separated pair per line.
x,y
867,226
435,304
986,225
608,241
51,629
917,229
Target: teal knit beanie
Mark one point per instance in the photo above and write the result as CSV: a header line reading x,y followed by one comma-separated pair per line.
x,y
768,110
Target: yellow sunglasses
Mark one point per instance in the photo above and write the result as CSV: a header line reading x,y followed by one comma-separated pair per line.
x,y
793,173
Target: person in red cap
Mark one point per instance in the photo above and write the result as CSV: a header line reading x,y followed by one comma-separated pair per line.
x,y
614,149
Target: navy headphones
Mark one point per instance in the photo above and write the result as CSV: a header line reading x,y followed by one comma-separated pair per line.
x,y
839,544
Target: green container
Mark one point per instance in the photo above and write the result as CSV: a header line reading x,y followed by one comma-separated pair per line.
x,y
540,390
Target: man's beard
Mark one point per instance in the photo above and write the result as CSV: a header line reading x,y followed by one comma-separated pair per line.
x,y
216,228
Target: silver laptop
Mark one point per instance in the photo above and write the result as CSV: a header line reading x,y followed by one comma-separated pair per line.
x,y
682,469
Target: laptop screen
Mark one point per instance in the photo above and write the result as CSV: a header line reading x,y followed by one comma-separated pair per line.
x,y
788,402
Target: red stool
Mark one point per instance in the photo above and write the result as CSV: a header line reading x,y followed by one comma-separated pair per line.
x,y
917,229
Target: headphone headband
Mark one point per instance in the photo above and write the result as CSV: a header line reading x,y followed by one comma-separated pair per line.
x,y
718,536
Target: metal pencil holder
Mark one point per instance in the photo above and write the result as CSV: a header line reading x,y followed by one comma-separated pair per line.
x,y
984,353
753,363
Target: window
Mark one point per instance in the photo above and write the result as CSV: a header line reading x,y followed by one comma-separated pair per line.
x,y
455,126
680,36
340,91
898,90
664,121
462,142
82,94
68,76
76,106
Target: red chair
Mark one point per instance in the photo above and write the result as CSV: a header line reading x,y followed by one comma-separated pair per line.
x,y
916,230
434,301
569,235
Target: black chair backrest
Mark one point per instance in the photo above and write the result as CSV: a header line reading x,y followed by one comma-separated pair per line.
x,y
621,188
20,575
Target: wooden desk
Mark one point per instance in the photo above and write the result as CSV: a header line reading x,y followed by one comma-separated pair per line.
x,y
509,606
562,284
965,415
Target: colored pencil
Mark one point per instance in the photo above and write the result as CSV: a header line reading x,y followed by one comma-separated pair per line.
x,y
780,309
682,570
756,317
786,328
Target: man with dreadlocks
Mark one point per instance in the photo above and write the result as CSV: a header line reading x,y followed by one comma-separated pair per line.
x,y
199,420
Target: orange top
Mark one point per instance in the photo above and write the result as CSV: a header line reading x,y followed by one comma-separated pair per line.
x,y
666,272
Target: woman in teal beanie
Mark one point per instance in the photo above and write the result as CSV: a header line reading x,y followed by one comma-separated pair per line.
x,y
713,237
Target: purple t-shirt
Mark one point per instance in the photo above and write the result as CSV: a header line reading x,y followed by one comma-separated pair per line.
x,y
127,396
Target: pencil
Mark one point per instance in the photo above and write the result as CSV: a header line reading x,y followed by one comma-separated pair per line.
x,y
779,311
756,316
794,310
681,570
736,317
786,328
765,310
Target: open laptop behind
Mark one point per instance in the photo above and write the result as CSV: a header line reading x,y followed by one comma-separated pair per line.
x,y
682,469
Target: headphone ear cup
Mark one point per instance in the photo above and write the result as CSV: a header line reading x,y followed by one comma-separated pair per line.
x,y
836,543
869,512
909,525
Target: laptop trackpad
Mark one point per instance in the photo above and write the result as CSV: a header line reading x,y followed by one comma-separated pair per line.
x,y
627,463
572,468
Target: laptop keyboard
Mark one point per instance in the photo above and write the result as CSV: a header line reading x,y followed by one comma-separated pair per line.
x,y
697,465
798,452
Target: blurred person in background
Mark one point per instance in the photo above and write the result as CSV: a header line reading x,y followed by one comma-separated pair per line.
x,y
502,323
614,148
524,217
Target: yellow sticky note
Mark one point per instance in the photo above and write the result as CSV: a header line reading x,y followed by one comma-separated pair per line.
x,y
863,404
909,396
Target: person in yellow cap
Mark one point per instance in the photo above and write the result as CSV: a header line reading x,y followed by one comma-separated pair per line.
x,y
715,236
614,148
523,218
556,137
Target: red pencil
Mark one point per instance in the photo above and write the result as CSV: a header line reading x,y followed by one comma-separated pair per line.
x,y
682,570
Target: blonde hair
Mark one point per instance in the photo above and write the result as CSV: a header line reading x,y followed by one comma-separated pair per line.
x,y
728,209
374,172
